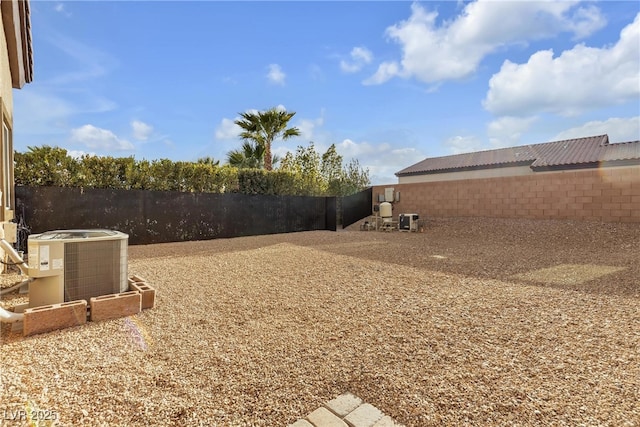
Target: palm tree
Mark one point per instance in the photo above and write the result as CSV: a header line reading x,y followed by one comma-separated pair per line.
x,y
264,127
249,156
209,161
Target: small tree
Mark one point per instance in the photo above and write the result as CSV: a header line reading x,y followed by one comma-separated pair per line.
x,y
250,156
305,164
326,174
331,170
354,178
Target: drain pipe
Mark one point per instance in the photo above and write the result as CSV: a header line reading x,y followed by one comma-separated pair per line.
x,y
10,317
17,286
6,246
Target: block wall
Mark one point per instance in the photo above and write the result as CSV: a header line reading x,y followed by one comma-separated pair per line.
x,y
607,194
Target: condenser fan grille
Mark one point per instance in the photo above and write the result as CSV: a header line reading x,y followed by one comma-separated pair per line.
x,y
94,268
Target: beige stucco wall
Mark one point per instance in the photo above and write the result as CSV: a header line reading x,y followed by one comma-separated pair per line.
x,y
6,93
6,105
476,174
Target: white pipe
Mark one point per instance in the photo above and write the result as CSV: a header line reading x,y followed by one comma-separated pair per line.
x,y
10,317
16,286
24,268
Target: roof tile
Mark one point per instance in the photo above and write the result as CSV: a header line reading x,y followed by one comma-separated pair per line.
x,y
592,149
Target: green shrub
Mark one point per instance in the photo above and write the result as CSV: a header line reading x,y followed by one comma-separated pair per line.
x,y
305,173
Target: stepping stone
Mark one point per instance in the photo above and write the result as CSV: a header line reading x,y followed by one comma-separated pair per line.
x,y
343,404
322,417
346,410
365,415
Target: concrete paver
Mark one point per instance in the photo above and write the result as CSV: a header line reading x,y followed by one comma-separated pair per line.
x,y
344,404
322,417
346,410
364,415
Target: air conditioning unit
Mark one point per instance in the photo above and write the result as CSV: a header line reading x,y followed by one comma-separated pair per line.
x,y
70,265
408,222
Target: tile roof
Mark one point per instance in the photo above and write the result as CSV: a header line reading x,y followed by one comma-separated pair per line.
x,y
558,154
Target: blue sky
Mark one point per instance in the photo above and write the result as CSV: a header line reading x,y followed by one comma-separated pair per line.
x,y
390,83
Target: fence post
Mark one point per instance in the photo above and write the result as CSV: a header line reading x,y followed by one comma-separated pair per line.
x,y
331,213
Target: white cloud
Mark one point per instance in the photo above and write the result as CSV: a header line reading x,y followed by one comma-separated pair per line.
x,y
503,132
507,131
618,129
227,129
489,24
382,160
38,112
579,79
308,127
141,130
463,144
275,74
386,71
97,138
77,154
360,56
587,21
351,149
453,50
61,8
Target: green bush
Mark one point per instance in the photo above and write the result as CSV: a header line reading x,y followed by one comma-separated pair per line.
x,y
302,174
260,181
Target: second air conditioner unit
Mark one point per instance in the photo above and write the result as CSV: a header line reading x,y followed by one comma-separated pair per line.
x,y
408,222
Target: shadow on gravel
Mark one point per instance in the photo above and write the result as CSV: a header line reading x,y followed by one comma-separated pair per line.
x,y
503,249
599,258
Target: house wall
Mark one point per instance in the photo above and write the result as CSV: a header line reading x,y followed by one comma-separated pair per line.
x,y
475,174
5,78
6,116
6,155
605,194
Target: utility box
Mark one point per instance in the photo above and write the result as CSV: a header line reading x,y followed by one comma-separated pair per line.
x,y
408,222
46,262
388,194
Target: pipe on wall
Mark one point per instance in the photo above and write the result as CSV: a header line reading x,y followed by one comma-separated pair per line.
x,y
17,286
8,248
10,317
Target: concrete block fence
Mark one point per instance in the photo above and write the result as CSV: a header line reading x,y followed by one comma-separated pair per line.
x,y
604,194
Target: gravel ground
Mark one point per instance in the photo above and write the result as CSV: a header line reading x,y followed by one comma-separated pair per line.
x,y
473,322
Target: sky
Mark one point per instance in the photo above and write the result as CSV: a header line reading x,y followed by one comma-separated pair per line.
x,y
389,83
